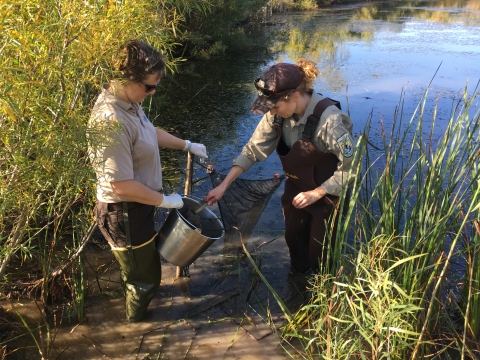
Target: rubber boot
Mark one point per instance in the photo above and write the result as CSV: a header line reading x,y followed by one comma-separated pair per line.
x,y
141,282
300,281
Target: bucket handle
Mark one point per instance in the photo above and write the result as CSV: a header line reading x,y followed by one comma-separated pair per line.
x,y
193,197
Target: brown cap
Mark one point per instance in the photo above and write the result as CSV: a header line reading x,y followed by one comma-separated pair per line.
x,y
276,82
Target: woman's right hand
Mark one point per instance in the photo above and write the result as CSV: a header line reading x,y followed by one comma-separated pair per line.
x,y
214,195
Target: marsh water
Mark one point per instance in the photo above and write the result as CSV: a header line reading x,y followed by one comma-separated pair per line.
x,y
369,54
374,57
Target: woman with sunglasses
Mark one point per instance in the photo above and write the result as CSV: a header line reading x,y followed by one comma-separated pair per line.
x,y
124,153
313,139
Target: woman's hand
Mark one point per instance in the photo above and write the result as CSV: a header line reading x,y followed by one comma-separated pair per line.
x,y
214,195
173,201
199,150
307,198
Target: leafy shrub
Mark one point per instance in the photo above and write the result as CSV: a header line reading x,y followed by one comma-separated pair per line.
x,y
224,29
55,56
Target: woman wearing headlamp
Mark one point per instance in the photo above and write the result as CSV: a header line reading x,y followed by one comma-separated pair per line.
x,y
313,139
124,153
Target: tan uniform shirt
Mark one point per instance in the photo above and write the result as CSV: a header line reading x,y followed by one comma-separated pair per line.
x,y
333,134
122,146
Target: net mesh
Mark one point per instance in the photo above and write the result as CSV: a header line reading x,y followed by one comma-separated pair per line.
x,y
240,208
244,201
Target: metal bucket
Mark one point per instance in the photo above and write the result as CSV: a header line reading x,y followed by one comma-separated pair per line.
x,y
180,242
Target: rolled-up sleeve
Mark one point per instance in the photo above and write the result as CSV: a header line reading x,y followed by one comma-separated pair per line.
x,y
260,146
337,137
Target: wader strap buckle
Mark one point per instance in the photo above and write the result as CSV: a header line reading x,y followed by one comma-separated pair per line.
x,y
127,234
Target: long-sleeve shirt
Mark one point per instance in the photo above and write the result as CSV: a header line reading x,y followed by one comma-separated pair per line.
x,y
333,134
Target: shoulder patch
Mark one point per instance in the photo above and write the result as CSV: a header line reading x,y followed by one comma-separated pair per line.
x,y
345,142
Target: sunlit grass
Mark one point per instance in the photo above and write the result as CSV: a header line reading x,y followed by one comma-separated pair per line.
x,y
414,207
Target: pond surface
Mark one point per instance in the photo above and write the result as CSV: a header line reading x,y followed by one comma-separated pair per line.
x,y
369,54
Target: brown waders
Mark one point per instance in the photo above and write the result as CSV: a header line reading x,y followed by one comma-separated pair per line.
x,y
307,168
129,228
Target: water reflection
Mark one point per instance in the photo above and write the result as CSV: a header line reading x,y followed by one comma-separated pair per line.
x,y
330,37
435,11
368,55
377,50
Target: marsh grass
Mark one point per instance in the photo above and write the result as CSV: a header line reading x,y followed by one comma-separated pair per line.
x,y
414,208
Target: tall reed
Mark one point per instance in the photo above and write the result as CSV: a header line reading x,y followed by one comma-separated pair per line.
x,y
414,206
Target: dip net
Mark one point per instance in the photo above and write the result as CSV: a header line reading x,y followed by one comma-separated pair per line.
x,y
243,202
241,205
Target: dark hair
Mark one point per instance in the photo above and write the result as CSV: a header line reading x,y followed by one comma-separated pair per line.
x,y
137,59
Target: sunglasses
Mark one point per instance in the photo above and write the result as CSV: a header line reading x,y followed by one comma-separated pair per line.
x,y
148,87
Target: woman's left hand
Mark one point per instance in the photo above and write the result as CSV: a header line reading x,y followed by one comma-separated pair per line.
x,y
307,198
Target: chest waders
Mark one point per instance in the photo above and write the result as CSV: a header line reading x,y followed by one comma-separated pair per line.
x,y
140,265
306,168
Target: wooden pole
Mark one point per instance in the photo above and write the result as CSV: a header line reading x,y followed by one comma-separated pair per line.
x,y
187,191
188,180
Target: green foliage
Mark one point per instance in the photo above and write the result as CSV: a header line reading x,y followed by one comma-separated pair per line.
x,y
55,55
293,5
224,29
363,313
301,4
